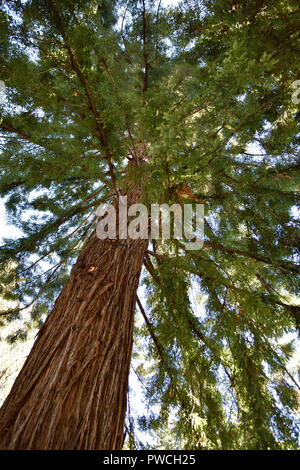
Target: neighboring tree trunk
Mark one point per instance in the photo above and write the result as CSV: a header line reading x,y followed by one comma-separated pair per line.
x,y
71,392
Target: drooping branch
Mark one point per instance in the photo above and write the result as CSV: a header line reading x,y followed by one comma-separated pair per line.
x,y
8,127
150,268
162,355
155,340
191,322
289,266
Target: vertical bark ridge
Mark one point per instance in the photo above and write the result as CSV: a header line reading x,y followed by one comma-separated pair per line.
x,y
71,392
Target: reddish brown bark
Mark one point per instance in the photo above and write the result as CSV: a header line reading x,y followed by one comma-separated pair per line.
x,y
71,392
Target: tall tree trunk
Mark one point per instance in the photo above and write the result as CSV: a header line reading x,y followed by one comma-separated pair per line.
x,y
71,392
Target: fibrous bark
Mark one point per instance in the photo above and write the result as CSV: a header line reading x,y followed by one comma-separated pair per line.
x,y
71,392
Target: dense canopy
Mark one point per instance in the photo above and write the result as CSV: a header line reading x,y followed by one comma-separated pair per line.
x,y
205,90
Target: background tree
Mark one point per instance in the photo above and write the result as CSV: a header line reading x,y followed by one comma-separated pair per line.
x,y
197,98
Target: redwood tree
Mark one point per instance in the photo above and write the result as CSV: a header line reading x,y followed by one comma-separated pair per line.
x,y
193,103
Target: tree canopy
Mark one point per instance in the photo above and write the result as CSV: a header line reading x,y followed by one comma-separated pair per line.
x,y
204,88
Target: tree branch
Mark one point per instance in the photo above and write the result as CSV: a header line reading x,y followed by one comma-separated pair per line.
x,y
145,55
102,135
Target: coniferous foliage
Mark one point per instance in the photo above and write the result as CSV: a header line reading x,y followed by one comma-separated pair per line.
x,y
204,90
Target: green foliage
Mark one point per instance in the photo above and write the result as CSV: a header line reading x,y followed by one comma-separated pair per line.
x,y
206,88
